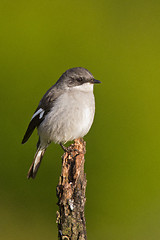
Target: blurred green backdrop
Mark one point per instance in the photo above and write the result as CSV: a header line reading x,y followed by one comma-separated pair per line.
x,y
119,42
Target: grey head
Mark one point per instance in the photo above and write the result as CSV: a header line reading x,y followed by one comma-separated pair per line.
x,y
75,77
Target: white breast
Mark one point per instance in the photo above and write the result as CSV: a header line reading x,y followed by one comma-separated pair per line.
x,y
71,116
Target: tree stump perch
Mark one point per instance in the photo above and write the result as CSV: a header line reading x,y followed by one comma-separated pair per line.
x,y
71,193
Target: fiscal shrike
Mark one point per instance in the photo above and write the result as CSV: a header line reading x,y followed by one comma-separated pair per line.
x,y
65,112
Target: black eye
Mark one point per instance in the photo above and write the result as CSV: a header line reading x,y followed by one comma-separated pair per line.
x,y
80,80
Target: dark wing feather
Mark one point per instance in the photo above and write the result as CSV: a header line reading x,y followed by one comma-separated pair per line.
x,y
46,104
35,122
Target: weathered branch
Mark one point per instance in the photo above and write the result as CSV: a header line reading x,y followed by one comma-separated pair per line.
x,y
71,194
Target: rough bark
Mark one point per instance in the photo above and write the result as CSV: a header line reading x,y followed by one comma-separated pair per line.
x,y
71,194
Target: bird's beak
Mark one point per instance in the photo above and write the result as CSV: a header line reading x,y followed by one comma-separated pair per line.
x,y
96,81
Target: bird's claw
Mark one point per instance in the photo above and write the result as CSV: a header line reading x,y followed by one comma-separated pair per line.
x,y
70,150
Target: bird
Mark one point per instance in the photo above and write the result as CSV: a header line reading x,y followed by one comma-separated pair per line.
x,y
65,113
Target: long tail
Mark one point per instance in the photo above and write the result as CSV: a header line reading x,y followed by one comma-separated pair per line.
x,y
36,163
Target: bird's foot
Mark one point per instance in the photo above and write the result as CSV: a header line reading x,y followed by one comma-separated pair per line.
x,y
65,149
69,149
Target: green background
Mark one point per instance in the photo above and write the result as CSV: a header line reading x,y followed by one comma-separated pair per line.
x,y
119,42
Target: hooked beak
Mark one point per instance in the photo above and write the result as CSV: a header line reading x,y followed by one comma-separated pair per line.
x,y
96,81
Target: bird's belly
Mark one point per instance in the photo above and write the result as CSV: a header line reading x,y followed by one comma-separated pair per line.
x,y
68,120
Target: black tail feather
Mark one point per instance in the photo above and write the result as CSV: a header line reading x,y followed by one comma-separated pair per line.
x,y
36,163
